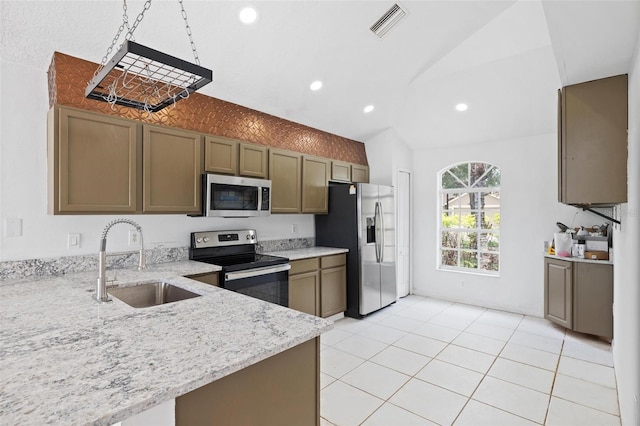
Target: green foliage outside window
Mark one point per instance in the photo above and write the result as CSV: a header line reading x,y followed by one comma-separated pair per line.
x,y
470,217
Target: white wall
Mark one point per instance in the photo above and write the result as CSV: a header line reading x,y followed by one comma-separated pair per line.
x,y
529,211
626,292
386,153
23,188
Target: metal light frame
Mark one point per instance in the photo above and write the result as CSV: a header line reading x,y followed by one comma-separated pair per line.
x,y
139,71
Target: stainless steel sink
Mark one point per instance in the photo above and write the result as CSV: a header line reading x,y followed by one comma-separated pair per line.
x,y
151,294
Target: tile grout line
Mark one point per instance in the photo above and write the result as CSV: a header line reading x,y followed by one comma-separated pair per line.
x,y
485,376
447,344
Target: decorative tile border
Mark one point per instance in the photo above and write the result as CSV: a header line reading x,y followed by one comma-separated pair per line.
x,y
18,269
68,77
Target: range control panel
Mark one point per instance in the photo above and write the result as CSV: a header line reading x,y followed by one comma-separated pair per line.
x,y
223,238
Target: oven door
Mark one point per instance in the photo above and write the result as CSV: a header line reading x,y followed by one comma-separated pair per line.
x,y
270,283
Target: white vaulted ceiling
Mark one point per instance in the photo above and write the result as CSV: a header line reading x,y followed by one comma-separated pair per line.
x,y
505,59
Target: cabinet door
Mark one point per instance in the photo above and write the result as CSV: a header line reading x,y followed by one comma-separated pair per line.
x,y
359,173
304,292
221,155
253,160
285,174
315,178
172,168
558,298
340,172
593,299
333,291
594,142
93,161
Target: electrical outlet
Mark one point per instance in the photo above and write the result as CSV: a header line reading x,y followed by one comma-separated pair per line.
x,y
134,238
294,228
73,241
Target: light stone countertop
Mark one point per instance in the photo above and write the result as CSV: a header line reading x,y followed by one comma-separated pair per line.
x,y
305,253
67,359
578,259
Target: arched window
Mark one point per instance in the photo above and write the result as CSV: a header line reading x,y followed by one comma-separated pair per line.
x,y
469,202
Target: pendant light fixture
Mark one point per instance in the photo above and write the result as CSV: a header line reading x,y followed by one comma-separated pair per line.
x,y
143,78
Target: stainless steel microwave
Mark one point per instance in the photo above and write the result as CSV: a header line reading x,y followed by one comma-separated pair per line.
x,y
235,196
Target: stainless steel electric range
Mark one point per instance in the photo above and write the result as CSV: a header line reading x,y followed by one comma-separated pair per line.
x,y
243,270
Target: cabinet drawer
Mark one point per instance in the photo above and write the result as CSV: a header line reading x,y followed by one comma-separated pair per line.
x,y
332,261
304,265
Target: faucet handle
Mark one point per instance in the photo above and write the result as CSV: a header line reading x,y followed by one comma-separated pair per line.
x,y
142,264
115,277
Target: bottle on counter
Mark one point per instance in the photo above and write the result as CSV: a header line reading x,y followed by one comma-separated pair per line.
x,y
581,248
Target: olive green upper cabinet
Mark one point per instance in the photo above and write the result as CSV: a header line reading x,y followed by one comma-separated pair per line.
x,y
172,169
92,162
592,145
315,178
340,172
220,155
359,173
285,173
253,160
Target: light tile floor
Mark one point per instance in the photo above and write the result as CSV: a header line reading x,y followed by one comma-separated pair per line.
x,y
424,361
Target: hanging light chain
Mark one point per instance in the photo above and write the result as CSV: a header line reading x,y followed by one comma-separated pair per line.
x,y
125,17
186,24
128,36
146,7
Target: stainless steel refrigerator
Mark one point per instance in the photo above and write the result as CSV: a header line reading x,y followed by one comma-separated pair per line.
x,y
362,219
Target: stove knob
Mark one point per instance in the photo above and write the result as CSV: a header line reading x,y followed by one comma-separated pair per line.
x,y
198,240
205,239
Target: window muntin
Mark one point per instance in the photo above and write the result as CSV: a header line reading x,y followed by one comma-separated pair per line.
x,y
469,212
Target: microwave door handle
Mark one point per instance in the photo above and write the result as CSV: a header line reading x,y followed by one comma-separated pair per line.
x,y
238,275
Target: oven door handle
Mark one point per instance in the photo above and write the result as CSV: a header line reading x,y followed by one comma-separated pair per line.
x,y
238,275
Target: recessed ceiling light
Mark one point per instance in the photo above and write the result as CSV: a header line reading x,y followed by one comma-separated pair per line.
x,y
316,85
462,107
248,15
368,109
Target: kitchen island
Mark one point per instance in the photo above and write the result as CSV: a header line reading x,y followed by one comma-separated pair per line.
x,y
67,359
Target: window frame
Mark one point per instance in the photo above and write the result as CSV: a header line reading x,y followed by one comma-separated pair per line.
x,y
477,229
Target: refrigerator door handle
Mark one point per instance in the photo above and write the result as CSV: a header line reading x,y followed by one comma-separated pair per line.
x,y
378,220
381,233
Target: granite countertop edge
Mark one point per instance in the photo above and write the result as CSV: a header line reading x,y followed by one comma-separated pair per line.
x,y
130,362
308,252
578,259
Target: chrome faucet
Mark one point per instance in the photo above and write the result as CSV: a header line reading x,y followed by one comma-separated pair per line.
x,y
101,288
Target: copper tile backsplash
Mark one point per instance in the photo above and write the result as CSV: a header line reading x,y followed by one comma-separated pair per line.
x,y
68,77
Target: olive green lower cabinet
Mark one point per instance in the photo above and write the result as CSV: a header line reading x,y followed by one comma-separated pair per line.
x,y
304,286
278,391
579,296
318,285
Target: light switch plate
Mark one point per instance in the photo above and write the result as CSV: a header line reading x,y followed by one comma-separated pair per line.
x,y
134,238
73,241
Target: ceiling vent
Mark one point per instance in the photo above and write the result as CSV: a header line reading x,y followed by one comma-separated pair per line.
x,y
390,18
